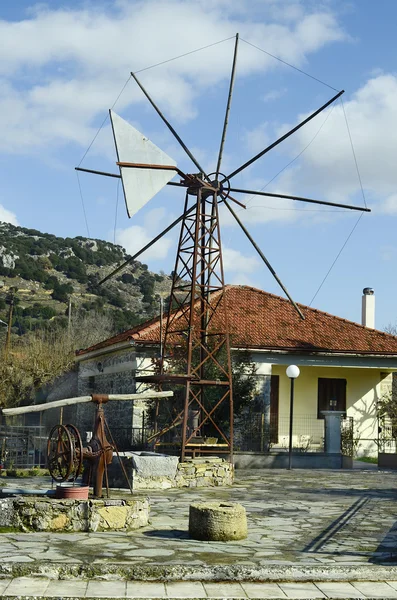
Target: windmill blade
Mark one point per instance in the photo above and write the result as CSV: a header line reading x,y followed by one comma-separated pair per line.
x,y
283,137
148,245
174,133
263,257
140,185
229,100
300,199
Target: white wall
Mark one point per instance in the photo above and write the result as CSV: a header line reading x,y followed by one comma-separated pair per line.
x,y
363,388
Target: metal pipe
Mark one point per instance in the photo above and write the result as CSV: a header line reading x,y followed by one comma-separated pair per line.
x,y
174,133
283,137
154,240
263,257
229,100
291,417
98,172
300,199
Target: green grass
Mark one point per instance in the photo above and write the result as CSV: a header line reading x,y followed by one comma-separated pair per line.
x,y
368,459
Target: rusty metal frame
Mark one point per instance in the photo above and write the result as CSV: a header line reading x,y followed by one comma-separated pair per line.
x,y
190,325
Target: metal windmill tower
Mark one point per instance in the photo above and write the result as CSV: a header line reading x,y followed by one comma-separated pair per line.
x,y
195,342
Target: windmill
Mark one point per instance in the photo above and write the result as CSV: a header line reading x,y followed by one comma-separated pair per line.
x,y
196,334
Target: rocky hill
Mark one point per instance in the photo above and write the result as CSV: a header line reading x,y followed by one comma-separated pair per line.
x,y
42,271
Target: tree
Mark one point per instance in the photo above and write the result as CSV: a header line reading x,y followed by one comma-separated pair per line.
x,y
392,329
41,356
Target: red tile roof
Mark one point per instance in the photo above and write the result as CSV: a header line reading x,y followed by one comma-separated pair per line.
x,y
258,319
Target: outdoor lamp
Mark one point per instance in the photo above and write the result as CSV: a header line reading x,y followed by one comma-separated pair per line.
x,y
292,372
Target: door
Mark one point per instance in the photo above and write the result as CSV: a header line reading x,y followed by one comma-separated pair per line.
x,y
331,395
274,388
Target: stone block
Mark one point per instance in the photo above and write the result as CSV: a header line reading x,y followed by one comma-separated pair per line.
x,y
217,521
29,514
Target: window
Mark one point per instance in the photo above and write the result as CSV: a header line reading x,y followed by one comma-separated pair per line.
x,y
331,395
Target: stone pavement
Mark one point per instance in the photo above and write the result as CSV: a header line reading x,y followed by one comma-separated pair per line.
x,y
319,529
34,587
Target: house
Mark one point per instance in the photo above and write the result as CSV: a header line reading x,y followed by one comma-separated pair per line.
x,y
343,365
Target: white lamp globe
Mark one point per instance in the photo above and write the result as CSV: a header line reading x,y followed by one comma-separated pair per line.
x,y
293,372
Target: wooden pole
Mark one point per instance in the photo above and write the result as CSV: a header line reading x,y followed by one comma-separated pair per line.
x,y
80,400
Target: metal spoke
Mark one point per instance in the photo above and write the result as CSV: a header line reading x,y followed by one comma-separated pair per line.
x,y
174,133
263,257
300,199
229,100
283,137
142,250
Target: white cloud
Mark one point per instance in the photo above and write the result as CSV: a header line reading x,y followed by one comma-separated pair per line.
x,y
136,237
6,216
273,95
327,169
235,261
258,138
82,57
389,206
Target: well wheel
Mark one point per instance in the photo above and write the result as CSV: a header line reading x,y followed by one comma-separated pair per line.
x,y
61,452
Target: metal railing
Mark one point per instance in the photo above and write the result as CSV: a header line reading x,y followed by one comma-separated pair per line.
x,y
22,447
387,436
256,433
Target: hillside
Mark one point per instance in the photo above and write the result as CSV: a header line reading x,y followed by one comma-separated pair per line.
x,y
43,271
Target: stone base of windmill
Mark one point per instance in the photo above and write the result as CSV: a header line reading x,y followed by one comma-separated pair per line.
x,y
217,521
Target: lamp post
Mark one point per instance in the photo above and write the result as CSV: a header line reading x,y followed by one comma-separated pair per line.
x,y
292,372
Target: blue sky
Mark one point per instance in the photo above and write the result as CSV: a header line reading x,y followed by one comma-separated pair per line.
x,y
63,64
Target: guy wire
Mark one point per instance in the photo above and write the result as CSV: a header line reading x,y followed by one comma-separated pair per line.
x,y
289,65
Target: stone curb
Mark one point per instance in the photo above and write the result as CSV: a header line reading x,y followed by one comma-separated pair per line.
x,y
227,573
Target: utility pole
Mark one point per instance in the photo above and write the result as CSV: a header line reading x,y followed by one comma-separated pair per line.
x,y
69,315
10,301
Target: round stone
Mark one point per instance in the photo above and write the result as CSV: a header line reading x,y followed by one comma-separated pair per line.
x,y
217,521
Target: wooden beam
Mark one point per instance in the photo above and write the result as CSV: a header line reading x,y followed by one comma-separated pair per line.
x,y
20,410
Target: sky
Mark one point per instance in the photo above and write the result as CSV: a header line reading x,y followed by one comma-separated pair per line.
x,y
63,64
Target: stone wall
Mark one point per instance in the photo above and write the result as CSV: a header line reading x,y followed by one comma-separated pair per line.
x,y
194,472
44,514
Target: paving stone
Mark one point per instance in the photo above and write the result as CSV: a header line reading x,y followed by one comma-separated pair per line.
x,y
66,588
301,590
185,589
106,589
335,589
263,590
19,558
27,586
224,590
146,589
4,583
375,589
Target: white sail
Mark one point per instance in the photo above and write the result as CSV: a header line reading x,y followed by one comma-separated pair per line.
x,y
140,185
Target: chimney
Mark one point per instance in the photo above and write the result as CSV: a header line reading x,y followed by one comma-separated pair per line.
x,y
368,308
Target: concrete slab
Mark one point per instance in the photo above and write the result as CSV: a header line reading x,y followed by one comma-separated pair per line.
x,y
4,583
224,590
59,588
106,589
334,589
27,586
185,589
301,590
375,589
146,589
263,590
